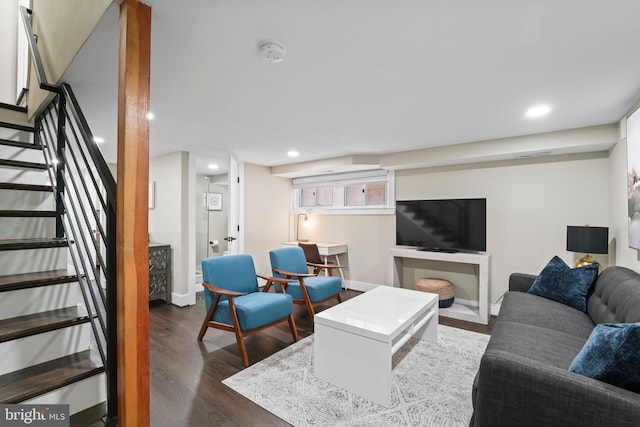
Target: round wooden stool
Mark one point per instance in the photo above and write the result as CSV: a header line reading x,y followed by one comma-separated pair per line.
x,y
442,287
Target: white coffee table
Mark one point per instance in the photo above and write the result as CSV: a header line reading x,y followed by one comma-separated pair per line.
x,y
354,340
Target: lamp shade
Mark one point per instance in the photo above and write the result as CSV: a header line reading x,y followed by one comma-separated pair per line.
x,y
589,240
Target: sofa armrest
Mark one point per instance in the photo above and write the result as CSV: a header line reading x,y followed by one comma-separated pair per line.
x,y
516,391
521,282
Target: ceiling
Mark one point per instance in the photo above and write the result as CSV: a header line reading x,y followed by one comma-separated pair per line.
x,y
365,77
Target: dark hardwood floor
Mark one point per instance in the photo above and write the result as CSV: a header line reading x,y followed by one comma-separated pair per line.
x,y
185,375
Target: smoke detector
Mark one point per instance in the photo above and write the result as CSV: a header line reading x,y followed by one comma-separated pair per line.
x,y
272,51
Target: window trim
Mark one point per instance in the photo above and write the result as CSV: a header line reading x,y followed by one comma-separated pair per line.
x,y
339,182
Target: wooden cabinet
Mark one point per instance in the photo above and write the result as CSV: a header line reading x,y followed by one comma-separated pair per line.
x,y
159,272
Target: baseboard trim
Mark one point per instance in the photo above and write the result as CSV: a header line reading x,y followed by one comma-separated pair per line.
x,y
495,309
359,286
182,300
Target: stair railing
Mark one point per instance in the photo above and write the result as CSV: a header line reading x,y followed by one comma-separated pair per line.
x,y
85,201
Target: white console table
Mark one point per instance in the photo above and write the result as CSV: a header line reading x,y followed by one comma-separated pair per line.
x,y
478,314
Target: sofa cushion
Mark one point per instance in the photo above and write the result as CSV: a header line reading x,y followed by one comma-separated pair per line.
x,y
533,310
615,297
611,354
536,343
564,284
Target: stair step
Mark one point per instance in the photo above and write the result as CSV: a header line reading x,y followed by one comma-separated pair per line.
x,y
27,214
22,165
24,187
17,127
19,244
35,380
12,107
19,144
33,280
32,324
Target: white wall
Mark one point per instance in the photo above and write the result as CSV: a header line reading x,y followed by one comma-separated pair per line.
x,y
171,221
368,239
529,204
267,210
8,50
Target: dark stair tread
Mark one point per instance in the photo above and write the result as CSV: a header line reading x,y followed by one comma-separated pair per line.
x,y
24,187
19,244
17,127
33,280
13,107
37,323
22,165
27,383
27,213
20,144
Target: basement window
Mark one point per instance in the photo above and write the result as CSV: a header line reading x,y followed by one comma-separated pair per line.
x,y
366,192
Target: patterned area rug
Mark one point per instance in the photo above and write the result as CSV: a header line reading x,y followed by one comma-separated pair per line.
x,y
431,385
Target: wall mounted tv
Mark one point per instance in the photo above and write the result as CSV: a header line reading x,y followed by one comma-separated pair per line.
x,y
449,225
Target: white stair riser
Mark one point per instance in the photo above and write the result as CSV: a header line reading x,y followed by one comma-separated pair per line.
x,y
35,300
9,152
24,228
24,176
26,200
24,352
79,396
33,260
15,135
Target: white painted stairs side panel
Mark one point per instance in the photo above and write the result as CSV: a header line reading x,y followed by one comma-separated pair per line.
x,y
32,350
79,396
35,300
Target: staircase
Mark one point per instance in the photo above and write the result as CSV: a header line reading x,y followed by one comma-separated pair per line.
x,y
48,347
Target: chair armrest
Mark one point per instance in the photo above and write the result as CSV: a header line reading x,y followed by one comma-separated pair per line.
x,y
270,280
225,292
323,266
521,282
290,274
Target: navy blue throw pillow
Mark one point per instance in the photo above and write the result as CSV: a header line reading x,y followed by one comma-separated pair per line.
x,y
611,354
564,284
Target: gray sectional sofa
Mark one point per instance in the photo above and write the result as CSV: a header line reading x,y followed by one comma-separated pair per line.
x,y
523,379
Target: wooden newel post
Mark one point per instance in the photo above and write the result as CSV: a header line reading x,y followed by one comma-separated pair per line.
x,y
132,214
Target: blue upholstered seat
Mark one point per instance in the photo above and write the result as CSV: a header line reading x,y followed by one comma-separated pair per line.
x,y
256,309
290,262
234,278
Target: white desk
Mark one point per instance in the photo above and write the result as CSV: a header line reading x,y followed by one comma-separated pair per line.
x,y
354,341
326,250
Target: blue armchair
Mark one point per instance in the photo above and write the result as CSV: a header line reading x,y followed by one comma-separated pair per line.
x,y
234,302
309,288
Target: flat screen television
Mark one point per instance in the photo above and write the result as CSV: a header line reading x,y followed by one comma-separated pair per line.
x,y
450,225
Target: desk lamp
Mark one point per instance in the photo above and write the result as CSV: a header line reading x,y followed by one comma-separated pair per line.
x,y
588,240
306,218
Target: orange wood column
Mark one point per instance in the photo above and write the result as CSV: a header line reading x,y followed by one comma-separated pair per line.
x,y
132,214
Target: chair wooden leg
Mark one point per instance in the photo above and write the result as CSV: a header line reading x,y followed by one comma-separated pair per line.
x,y
239,335
242,348
292,326
339,297
205,323
307,299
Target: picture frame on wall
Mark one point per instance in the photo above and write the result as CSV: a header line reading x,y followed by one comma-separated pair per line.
x,y
633,178
214,201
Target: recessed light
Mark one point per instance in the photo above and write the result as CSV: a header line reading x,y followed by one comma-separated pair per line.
x,y
150,115
213,166
538,111
293,153
98,140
